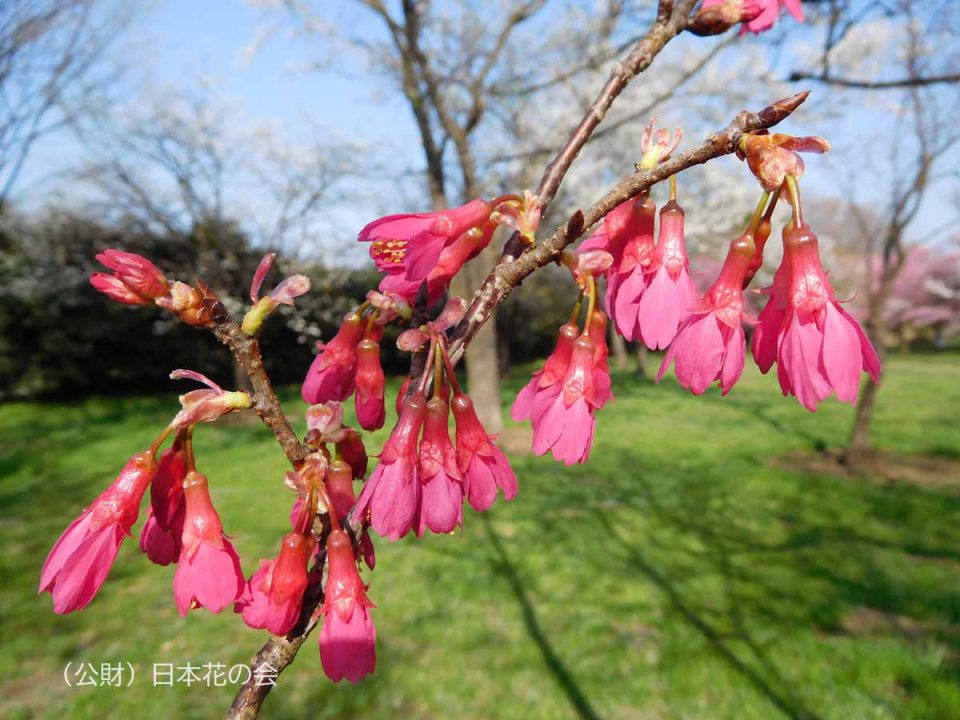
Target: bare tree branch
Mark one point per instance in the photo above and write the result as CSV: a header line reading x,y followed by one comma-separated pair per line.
x,y
907,82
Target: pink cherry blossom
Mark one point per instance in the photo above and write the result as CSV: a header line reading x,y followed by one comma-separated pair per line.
x,y
347,638
670,292
208,570
441,483
770,10
392,494
81,559
627,234
163,529
710,345
602,384
273,596
412,243
483,465
563,417
543,380
451,260
135,280
370,382
821,348
339,482
331,374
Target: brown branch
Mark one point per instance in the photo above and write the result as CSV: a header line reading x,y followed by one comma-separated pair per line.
x,y
509,273
669,23
278,652
265,401
909,82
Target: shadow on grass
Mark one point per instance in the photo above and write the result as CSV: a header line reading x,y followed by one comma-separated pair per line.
x,y
763,679
503,567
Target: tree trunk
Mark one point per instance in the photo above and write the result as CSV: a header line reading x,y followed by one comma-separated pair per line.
x,y
621,358
860,437
859,445
642,360
483,375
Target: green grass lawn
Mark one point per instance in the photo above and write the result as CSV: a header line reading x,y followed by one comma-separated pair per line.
x,y
700,566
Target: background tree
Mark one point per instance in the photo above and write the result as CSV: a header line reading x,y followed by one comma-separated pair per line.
x,y
911,77
55,67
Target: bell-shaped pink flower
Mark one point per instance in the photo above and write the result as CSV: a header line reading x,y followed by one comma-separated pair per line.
x,y
483,465
273,596
627,234
413,243
162,532
766,333
821,347
602,385
543,380
339,483
670,292
441,483
135,280
710,345
331,374
82,557
563,419
392,494
208,570
347,638
370,382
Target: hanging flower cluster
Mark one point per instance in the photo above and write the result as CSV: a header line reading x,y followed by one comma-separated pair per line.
x,y
819,348
429,468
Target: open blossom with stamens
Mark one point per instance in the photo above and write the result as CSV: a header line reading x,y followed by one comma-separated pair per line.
x,y
451,260
163,529
563,417
347,638
331,374
273,596
441,484
135,280
772,157
392,494
483,465
82,557
412,243
821,348
670,292
710,344
627,234
208,570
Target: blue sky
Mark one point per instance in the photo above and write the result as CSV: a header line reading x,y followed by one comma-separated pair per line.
x,y
176,42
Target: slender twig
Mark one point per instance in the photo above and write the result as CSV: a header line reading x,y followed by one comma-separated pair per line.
x,y
907,82
265,401
669,23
